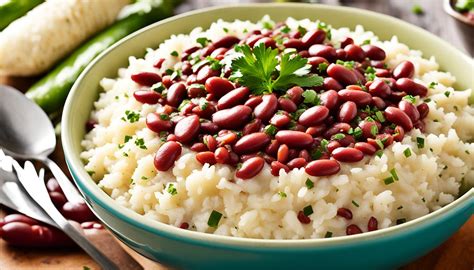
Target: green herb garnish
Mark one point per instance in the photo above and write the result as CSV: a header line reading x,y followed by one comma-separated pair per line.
x,y
203,41
432,85
164,116
410,98
311,97
308,210
172,189
214,219
355,203
339,136
131,116
328,234
393,172
309,184
401,221
447,93
257,70
407,152
174,53
270,130
388,180
374,130
417,9
140,143
420,142
282,194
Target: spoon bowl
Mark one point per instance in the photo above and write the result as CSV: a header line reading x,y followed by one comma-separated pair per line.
x,y
26,131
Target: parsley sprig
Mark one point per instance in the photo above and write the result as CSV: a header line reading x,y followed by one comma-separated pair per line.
x,y
261,70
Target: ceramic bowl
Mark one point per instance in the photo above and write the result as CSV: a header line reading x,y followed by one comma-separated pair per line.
x,y
183,249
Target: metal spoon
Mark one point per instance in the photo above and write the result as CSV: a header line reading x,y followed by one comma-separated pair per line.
x,y
27,133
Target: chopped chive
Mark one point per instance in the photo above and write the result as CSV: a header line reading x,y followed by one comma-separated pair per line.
x,y
365,42
164,116
401,221
355,203
417,10
380,116
125,154
309,184
400,207
174,53
282,194
339,136
388,180
203,41
432,85
407,152
374,130
270,130
379,143
131,116
427,100
328,234
447,93
322,67
267,25
358,132
393,172
204,105
214,219
285,29
144,178
140,143
308,210
158,87
172,189
324,144
420,142
225,29
90,173
423,199
302,30
410,98
316,154
379,153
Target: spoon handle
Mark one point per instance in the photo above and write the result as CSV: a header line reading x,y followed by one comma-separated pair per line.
x,y
67,186
36,188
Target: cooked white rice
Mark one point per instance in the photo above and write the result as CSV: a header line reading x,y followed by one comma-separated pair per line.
x,y
429,179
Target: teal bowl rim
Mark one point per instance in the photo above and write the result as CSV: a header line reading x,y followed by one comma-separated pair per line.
x,y
90,189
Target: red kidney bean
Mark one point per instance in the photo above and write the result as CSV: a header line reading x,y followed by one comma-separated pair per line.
x,y
295,94
25,235
347,141
176,93
373,224
19,218
347,154
218,86
304,154
206,113
250,168
316,130
246,157
395,97
354,53
209,127
293,138
333,145
222,155
342,74
267,108
410,109
361,98
337,128
171,138
397,116
159,63
206,51
293,153
329,99
296,163
210,142
187,128
146,96
347,112
380,72
293,43
253,39
234,97
90,124
232,118
387,139
379,103
53,185
405,69
280,120
233,159
353,229
196,91
341,54
303,218
380,89
146,78
267,42
322,167
282,154
423,109
272,148
315,61
287,104
365,148
373,52
252,102
206,157
191,50
419,125
186,68
367,127
155,123
252,127
167,81
313,37
277,166
226,41
251,143
411,87
198,147
313,116
331,84
399,133
77,211
304,54
325,51
346,41
345,213
229,138
205,73
166,155
57,198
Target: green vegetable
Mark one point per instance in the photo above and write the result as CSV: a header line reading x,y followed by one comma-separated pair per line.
x,y
214,219
309,183
11,10
257,69
407,152
465,5
417,9
355,203
172,189
51,91
420,142
308,210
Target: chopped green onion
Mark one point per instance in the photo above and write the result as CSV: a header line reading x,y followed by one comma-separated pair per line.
x,y
447,93
270,130
322,67
285,29
355,203
393,172
282,194
172,189
357,132
410,98
420,142
380,116
90,173
308,210
401,221
203,41
407,152
379,153
365,42
174,53
328,234
379,143
225,30
324,144
302,30
309,183
140,143
417,9
214,219
339,136
131,116
158,87
374,130
388,180
164,116
267,25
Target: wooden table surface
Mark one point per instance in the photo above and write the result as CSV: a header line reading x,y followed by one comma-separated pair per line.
x,y
456,253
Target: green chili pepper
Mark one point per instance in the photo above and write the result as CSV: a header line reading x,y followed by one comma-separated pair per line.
x,y
51,91
11,10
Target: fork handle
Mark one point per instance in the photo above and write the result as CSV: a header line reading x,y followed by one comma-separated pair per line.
x,y
66,185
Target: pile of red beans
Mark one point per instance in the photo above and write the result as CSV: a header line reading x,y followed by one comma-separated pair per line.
x,y
355,116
